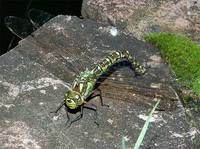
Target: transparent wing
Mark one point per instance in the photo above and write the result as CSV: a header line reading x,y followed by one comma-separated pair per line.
x,y
23,27
19,26
39,17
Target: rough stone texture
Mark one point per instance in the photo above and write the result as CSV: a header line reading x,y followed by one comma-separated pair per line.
x,y
35,75
141,16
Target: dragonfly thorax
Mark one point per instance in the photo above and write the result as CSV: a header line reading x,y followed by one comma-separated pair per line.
x,y
73,99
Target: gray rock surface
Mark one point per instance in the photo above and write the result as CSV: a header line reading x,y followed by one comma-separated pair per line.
x,y
142,16
35,75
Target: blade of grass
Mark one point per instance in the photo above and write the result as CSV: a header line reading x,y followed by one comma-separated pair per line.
x,y
123,143
144,129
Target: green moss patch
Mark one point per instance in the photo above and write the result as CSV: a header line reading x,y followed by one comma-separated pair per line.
x,y
182,54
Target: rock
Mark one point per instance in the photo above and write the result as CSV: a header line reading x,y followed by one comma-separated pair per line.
x,y
142,16
35,75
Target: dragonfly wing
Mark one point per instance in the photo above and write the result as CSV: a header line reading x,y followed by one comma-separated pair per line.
x,y
19,26
39,17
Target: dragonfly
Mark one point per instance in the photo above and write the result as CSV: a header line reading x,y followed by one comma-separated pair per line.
x,y
85,85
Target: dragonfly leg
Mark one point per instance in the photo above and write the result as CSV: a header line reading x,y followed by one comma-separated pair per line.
x,y
77,118
68,118
96,93
60,106
94,108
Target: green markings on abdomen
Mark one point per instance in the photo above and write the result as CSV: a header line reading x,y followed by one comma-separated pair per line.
x,y
114,58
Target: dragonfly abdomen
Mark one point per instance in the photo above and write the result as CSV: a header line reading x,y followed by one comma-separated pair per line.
x,y
114,58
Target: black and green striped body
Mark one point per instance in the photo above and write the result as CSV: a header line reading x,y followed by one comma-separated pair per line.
x,y
84,84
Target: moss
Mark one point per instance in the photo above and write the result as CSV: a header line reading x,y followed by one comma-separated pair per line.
x,y
182,54
196,86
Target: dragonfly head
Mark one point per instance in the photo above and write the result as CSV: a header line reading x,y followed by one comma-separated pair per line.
x,y
73,99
